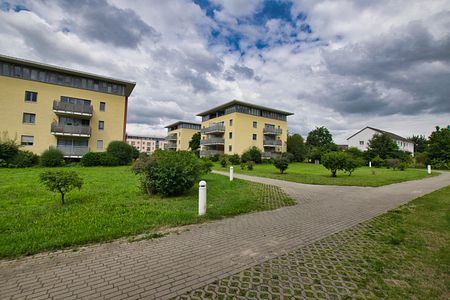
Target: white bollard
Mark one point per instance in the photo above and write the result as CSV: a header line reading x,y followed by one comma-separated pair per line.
x,y
231,173
370,164
429,169
201,198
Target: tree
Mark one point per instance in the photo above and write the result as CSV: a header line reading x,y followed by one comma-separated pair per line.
x,y
382,145
351,164
439,145
296,146
319,137
194,143
281,164
334,161
252,154
61,181
420,143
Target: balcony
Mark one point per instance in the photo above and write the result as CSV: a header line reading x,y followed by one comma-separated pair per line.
x,y
72,109
205,153
170,146
73,151
171,137
271,154
212,141
216,128
70,130
272,143
272,131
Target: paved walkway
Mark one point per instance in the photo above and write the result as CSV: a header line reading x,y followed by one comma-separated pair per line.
x,y
172,265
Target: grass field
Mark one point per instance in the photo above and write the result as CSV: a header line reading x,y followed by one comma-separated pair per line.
x,y
110,205
317,174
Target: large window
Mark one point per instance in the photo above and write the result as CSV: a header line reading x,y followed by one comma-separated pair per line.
x,y
29,118
30,96
26,140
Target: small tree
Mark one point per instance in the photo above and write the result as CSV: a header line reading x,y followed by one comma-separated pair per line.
x,y
334,161
253,154
382,145
296,146
351,164
61,181
194,143
281,164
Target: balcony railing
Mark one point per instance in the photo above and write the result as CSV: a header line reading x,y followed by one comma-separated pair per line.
x,y
73,151
271,154
216,128
170,146
272,131
272,143
70,130
171,137
212,141
204,153
72,109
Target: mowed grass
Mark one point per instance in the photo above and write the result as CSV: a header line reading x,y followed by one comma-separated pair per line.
x,y
318,174
110,205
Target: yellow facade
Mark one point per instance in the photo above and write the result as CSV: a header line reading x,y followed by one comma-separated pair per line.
x,y
183,137
13,106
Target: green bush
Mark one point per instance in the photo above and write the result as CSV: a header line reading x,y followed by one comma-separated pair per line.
x,y
289,156
61,181
377,162
108,160
205,165
8,150
393,163
24,159
52,158
281,164
92,159
351,164
334,161
223,161
250,165
243,166
135,153
168,173
234,159
253,154
215,158
440,164
122,151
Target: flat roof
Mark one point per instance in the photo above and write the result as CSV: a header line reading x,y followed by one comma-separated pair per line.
x,y
129,85
238,102
182,122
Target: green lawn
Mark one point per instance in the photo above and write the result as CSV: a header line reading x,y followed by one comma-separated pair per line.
x,y
317,174
110,205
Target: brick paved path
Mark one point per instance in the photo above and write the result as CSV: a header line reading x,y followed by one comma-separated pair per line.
x,y
172,265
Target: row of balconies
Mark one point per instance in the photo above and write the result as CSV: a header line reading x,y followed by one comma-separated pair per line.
x,y
266,154
220,128
221,141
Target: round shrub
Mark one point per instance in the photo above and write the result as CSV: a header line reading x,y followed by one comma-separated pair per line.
x,y
169,173
289,156
253,154
223,160
52,158
108,160
91,159
334,161
122,151
24,159
377,162
250,165
281,164
8,149
234,159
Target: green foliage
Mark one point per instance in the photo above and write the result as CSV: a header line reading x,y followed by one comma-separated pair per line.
x,y
122,151
250,164
382,145
440,164
281,164
194,143
253,154
319,137
92,159
377,162
234,159
334,161
215,158
355,152
24,159
439,145
8,149
420,143
61,181
52,157
135,153
169,173
224,160
243,166
296,146
351,164
289,156
393,163
205,166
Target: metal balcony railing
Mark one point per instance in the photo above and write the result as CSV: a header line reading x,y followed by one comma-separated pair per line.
x,y
71,130
272,143
272,131
170,146
212,141
73,151
204,153
171,137
213,129
72,108
271,154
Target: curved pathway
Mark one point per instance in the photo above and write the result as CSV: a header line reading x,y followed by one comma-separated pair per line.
x,y
201,254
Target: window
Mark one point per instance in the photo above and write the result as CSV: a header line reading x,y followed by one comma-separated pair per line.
x,y
230,148
29,118
30,96
101,125
230,135
231,122
99,144
255,124
361,142
26,140
254,136
102,106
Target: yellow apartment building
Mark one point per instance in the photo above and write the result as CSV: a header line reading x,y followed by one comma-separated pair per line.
x,y
145,143
180,134
46,106
236,126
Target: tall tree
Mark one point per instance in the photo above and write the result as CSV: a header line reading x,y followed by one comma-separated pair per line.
x,y
439,144
194,143
420,143
382,145
319,137
296,146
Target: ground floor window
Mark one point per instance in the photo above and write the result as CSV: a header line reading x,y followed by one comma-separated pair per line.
x,y
27,140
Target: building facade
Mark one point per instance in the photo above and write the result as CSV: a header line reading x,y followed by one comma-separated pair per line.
x,y
46,106
361,139
236,126
145,144
179,135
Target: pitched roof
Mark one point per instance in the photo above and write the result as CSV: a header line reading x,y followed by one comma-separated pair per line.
x,y
390,134
237,102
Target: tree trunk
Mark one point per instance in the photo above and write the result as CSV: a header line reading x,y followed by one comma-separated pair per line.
x,y
62,198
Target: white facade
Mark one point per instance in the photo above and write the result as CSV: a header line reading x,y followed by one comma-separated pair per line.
x,y
361,140
145,144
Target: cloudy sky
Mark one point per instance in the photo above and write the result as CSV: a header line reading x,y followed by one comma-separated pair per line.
x,y
339,64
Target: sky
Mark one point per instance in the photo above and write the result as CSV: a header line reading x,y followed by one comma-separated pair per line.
x,y
339,64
